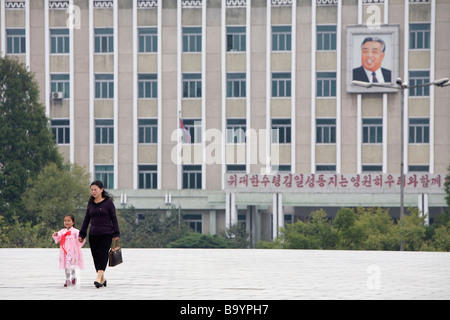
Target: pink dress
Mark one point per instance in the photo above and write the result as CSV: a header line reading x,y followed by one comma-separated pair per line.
x,y
70,254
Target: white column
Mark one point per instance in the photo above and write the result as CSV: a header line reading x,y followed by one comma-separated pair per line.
x,y
277,214
160,95
72,87
135,97
313,86
423,207
3,29
91,90
268,84
223,33
179,88
116,94
47,88
338,87
204,91
294,87
230,210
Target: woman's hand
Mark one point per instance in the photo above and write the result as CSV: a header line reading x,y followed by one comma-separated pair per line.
x,y
80,239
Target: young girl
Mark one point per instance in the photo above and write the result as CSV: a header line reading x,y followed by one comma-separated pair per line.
x,y
70,255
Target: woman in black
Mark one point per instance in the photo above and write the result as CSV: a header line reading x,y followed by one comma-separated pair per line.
x,y
101,214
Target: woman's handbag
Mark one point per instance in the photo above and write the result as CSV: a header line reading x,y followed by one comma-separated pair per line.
x,y
115,255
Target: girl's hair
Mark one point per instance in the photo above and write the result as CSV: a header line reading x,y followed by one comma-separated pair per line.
x,y
71,217
105,194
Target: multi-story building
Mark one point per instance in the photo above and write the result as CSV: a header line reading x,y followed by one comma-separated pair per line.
x,y
242,111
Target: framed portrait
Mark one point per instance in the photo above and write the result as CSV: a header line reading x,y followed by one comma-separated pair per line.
x,y
372,56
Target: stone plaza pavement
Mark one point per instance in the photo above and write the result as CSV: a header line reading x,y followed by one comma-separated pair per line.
x,y
222,274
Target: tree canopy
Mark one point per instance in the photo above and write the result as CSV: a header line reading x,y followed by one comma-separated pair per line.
x,y
26,142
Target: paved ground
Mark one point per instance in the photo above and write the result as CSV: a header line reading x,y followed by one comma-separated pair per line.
x,y
200,274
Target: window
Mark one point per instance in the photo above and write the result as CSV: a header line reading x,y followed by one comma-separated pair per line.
x,y
148,40
419,36
105,173
419,130
104,40
148,177
15,41
194,221
281,84
325,130
192,85
104,86
192,177
417,78
281,38
148,130
236,129
326,168
282,168
418,168
372,130
326,38
59,41
60,83
236,168
372,168
104,131
326,84
61,131
281,130
148,85
236,39
195,129
236,85
192,39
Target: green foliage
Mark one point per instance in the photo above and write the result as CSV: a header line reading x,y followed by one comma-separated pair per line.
x,y
26,142
236,236
52,194
198,240
362,229
56,192
153,231
150,232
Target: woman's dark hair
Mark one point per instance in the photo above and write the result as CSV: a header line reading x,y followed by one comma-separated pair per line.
x,y
71,217
105,194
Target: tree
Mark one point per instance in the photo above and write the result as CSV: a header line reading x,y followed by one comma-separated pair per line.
x,y
56,192
26,142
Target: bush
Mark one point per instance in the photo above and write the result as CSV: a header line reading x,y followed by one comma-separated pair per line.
x,y
197,240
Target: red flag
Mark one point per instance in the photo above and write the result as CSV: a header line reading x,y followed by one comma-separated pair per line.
x,y
186,132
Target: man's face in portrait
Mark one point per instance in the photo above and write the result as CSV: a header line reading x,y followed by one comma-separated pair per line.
x,y
372,55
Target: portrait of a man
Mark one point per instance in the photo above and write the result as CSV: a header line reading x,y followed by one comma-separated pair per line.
x,y
372,55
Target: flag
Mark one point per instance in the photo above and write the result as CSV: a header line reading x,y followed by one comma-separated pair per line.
x,y
186,133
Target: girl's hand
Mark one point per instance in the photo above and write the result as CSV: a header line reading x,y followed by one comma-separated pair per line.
x,y
80,239
55,234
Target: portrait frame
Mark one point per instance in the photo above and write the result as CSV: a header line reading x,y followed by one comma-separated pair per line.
x,y
389,33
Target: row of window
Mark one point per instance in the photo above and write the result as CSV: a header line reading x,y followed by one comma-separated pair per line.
x,y
192,174
148,176
419,38
372,131
236,85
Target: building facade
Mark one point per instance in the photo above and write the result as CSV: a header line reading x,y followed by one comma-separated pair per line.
x,y
166,101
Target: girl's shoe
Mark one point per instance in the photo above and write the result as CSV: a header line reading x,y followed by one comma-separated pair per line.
x,y
74,281
67,283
